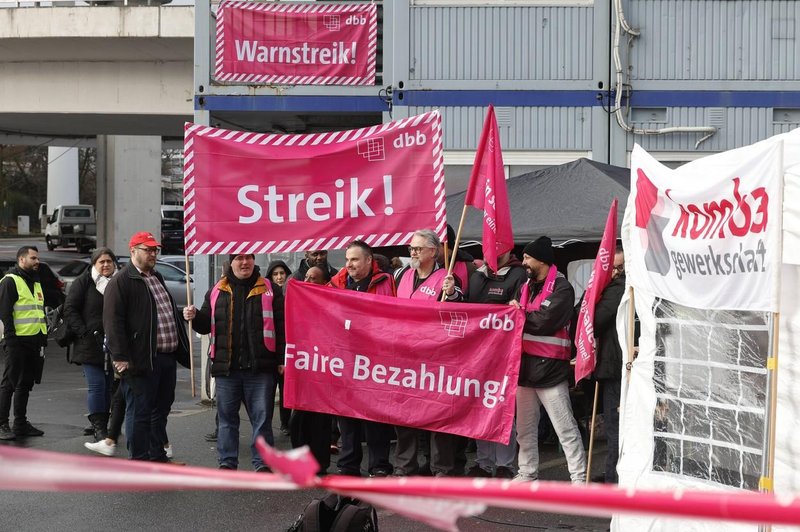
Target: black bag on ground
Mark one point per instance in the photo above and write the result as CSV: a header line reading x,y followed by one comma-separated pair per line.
x,y
336,514
59,330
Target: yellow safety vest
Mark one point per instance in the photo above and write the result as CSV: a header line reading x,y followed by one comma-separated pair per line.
x,y
28,314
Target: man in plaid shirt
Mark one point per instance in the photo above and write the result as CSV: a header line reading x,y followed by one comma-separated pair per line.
x,y
146,338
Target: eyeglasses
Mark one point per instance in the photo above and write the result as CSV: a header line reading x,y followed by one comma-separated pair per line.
x,y
149,251
620,268
415,249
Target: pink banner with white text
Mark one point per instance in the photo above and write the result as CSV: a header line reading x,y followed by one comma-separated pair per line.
x,y
445,367
296,43
248,192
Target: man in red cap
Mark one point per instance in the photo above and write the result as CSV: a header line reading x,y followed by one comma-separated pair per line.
x,y
146,337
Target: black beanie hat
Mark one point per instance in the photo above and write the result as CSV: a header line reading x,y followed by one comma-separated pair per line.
x,y
541,249
233,256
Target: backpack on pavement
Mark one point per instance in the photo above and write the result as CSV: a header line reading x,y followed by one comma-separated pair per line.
x,y
334,513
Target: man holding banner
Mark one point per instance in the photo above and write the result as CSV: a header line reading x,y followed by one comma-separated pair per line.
x,y
425,280
547,299
361,274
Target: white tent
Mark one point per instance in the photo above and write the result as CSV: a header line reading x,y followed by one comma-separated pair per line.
x,y
642,452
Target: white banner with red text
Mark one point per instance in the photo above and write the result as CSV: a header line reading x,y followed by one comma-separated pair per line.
x,y
250,192
296,43
708,239
445,367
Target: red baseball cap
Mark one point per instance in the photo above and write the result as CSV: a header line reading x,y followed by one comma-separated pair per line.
x,y
146,238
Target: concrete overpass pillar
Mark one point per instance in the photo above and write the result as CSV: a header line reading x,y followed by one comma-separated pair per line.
x,y
63,185
128,189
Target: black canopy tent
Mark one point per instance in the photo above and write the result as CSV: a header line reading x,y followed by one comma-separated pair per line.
x,y
569,203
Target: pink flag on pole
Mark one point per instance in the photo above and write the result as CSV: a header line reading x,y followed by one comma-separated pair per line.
x,y
601,276
487,191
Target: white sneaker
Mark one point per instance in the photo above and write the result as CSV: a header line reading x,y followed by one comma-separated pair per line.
x,y
523,477
168,450
102,447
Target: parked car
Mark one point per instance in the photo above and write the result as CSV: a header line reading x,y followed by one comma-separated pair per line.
x,y
174,278
172,235
179,261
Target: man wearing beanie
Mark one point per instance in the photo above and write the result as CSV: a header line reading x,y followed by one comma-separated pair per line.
x,y
547,299
243,313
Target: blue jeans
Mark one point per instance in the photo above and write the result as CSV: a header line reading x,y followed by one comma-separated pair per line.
x,y
148,400
99,383
257,392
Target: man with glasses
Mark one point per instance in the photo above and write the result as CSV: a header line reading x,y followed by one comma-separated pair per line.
x,y
146,337
608,370
425,280
318,258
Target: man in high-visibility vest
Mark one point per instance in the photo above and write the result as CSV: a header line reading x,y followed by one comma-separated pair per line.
x,y
24,338
547,299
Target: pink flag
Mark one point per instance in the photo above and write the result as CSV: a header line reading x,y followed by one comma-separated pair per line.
x,y
601,276
446,367
487,191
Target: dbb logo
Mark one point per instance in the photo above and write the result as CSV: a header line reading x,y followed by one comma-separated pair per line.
x,y
355,20
493,321
427,290
406,140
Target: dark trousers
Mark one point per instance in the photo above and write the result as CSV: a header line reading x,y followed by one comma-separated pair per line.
x,y
442,451
285,413
611,398
117,411
312,429
19,374
148,400
378,436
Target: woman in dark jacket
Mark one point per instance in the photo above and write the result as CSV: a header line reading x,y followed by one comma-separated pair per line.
x,y
278,273
83,312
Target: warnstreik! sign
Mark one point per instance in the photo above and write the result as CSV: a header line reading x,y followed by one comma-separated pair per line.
x,y
296,43
709,240
258,193
446,367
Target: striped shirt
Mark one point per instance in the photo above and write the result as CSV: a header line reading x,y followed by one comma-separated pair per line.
x,y
167,330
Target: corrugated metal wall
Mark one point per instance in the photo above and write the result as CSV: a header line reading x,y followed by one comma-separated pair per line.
x,y
527,128
715,40
501,43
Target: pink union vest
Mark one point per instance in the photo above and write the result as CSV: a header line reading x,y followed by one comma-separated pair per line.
x,y
556,346
429,289
266,314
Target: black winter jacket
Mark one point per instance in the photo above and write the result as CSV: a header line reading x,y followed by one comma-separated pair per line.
x,y
541,372
609,353
129,319
496,289
253,354
302,270
83,312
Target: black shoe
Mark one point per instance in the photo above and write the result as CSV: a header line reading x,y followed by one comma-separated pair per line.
x,y
211,436
6,433
477,471
27,430
88,431
263,469
600,479
380,473
348,473
503,472
226,467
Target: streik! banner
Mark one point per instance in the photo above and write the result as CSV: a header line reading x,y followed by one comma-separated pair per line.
x,y
250,192
446,367
707,240
296,43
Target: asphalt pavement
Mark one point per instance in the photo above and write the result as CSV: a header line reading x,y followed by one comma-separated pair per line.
x,y
58,406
